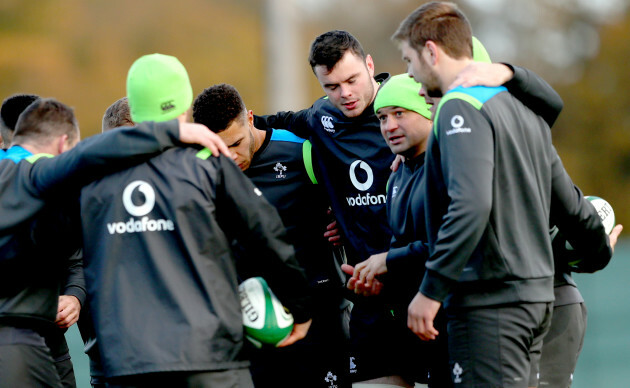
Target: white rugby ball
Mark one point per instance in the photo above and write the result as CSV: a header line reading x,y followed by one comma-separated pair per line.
x,y
265,319
605,212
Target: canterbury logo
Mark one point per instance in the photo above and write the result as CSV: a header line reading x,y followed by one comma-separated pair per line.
x,y
328,124
168,105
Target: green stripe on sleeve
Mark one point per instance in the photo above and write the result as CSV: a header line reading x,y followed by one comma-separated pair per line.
x,y
36,157
307,155
204,154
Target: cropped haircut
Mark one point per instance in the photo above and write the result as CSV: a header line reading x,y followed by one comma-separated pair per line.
x,y
440,22
328,48
45,119
10,112
117,115
218,106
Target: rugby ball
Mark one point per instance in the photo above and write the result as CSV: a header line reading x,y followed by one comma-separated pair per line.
x,y
266,320
605,212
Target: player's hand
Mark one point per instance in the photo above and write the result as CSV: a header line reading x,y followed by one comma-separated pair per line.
x,y
366,270
299,331
359,287
333,234
192,133
420,315
68,311
398,160
481,73
614,236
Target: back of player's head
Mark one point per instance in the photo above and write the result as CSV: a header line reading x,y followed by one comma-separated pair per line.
x,y
328,48
11,108
440,22
402,91
117,115
158,88
218,106
43,120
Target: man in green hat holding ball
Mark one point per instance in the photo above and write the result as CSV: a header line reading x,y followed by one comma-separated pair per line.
x,y
162,277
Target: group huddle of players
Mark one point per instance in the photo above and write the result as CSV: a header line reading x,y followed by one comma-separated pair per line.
x,y
143,233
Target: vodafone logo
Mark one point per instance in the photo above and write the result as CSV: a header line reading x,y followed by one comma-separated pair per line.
x,y
144,223
457,124
457,121
353,177
363,199
149,198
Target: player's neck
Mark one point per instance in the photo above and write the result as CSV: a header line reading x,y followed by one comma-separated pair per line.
x,y
35,149
450,69
259,138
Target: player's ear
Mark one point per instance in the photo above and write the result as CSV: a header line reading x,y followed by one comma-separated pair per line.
x,y
250,117
430,52
62,144
369,62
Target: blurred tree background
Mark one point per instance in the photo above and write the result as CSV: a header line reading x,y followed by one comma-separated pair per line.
x,y
79,52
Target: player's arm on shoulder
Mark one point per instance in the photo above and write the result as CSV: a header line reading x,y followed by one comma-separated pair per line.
x,y
529,88
535,93
104,154
295,122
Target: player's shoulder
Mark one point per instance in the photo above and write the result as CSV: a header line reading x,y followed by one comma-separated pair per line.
x,y
476,96
282,135
323,106
461,101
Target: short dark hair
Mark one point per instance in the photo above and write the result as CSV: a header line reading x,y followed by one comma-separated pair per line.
x,y
440,22
218,106
44,119
328,48
117,115
12,106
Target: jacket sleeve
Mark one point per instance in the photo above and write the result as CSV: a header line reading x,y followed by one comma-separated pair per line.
x,y
578,221
75,281
101,155
247,217
295,122
410,257
535,93
467,160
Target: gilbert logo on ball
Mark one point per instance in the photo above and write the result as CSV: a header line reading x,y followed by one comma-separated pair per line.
x,y
265,319
605,212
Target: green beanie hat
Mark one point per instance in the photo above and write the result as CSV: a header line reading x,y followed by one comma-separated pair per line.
x,y
401,90
158,88
479,52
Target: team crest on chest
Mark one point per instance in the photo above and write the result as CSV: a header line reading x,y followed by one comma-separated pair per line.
x,y
280,170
